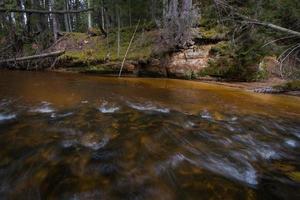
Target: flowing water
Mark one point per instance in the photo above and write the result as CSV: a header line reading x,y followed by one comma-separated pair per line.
x,y
70,136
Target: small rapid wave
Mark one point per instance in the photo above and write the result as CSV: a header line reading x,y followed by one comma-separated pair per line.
x,y
6,117
244,173
69,143
55,115
291,143
148,107
45,107
172,162
256,148
96,145
206,115
106,108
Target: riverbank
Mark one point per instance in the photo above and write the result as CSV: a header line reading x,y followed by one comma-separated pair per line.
x,y
98,55
270,86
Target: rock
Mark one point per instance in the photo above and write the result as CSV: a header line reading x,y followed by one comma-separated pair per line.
x,y
153,67
188,62
268,90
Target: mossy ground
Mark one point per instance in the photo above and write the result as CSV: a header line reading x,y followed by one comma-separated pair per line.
x,y
83,50
293,85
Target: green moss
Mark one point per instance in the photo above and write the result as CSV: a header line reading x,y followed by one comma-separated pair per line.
x,y
295,176
99,49
221,49
289,86
100,69
190,74
259,75
86,57
215,32
238,62
27,48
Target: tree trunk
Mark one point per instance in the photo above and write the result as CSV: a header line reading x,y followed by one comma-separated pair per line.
x,y
54,22
102,15
275,27
89,15
119,31
165,7
67,25
129,13
52,54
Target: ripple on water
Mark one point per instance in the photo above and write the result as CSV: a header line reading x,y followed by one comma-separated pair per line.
x,y
55,115
106,108
45,107
6,117
256,148
245,173
148,107
172,162
206,115
95,145
68,143
291,143
241,171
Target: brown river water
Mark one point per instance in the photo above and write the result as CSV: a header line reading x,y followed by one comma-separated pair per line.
x,y
72,136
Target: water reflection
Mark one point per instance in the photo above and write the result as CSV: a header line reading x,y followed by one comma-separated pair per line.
x,y
121,140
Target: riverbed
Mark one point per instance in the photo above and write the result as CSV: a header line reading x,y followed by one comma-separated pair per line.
x,y
74,136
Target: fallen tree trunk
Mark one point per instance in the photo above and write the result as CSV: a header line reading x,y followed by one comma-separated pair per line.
x,y
246,19
31,11
272,26
45,55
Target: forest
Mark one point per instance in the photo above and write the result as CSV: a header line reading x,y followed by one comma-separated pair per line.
x,y
245,34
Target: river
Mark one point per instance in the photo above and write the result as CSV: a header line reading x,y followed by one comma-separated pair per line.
x,y
73,136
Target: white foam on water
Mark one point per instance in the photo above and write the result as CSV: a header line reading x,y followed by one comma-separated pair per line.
x,y
5,117
106,108
188,124
206,115
233,119
256,148
238,169
291,143
267,153
148,107
44,108
171,162
54,115
68,143
230,128
243,172
94,145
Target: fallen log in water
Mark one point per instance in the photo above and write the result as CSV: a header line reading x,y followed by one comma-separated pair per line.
x,y
26,61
